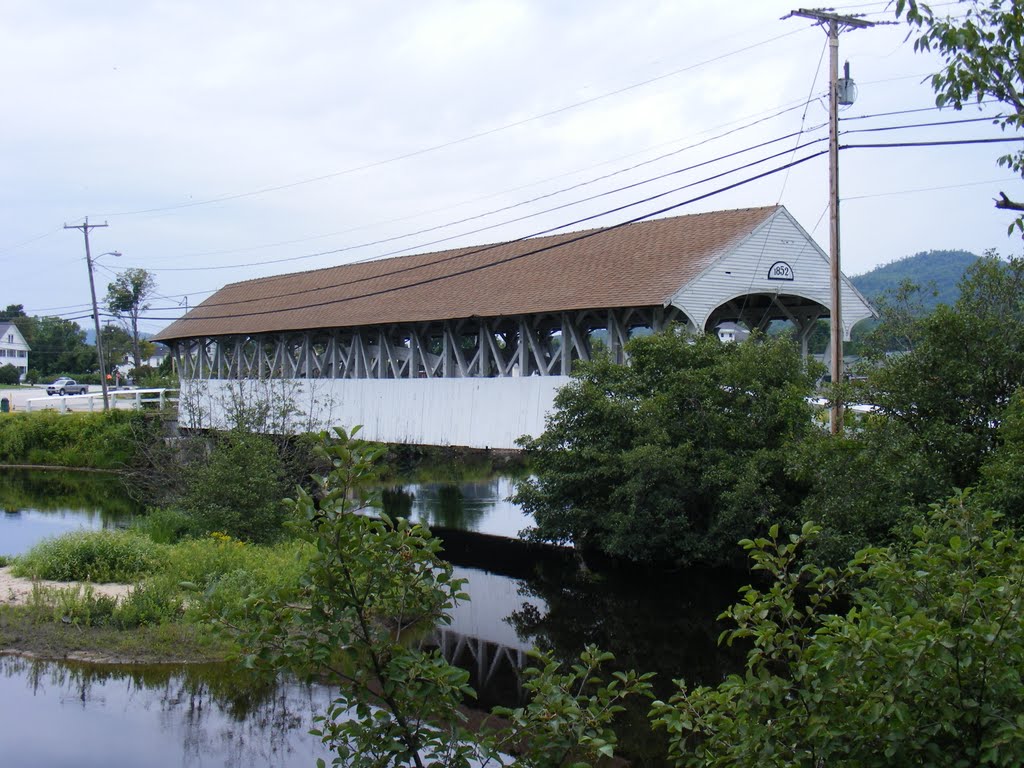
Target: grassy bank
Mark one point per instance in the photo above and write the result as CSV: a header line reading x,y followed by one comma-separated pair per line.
x,y
165,617
81,440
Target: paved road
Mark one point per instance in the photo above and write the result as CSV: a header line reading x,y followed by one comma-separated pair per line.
x,y
19,397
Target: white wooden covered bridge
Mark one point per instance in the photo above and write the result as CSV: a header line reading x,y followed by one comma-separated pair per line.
x,y
468,346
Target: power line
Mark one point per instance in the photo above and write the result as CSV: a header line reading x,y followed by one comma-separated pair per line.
x,y
760,120
498,224
548,231
462,140
918,125
950,142
906,112
515,257
923,189
482,249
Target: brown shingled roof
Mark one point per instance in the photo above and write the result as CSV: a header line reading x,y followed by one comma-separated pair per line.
x,y
642,264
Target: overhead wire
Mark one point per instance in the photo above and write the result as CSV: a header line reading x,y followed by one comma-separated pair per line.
x,y
461,140
785,178
506,222
778,112
474,251
947,143
543,249
892,193
935,124
561,226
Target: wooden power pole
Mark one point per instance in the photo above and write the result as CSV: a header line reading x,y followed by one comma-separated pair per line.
x,y
85,227
834,24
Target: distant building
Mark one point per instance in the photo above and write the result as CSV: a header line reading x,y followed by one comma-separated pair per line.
x,y
732,332
13,348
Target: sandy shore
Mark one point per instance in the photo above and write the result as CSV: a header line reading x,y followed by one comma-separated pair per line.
x,y
16,591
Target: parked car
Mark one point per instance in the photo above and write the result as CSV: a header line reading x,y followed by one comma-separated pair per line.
x,y
67,387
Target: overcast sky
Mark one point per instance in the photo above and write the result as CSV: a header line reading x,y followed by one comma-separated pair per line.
x,y
217,138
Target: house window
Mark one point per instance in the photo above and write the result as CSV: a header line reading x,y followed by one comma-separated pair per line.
x,y
10,338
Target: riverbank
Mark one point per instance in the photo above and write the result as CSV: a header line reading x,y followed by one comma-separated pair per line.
x,y
15,590
28,629
22,633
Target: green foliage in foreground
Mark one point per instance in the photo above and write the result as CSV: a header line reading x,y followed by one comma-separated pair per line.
x,y
358,614
97,440
674,457
924,668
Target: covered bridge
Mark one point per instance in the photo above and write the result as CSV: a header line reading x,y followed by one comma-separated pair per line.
x,y
468,346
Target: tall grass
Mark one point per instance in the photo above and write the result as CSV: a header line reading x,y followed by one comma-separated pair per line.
x,y
98,440
98,556
190,580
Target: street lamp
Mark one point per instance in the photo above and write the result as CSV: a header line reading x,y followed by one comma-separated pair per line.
x,y
89,260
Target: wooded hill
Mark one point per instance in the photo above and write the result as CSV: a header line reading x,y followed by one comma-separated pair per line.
x,y
936,272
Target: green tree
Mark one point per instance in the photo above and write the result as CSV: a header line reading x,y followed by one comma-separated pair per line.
x,y
951,389
127,298
59,346
1002,473
117,345
982,49
924,668
372,590
674,457
236,488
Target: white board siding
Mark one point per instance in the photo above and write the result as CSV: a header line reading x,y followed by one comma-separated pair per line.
x,y
743,270
471,412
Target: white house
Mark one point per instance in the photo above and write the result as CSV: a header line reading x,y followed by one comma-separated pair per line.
x,y
13,348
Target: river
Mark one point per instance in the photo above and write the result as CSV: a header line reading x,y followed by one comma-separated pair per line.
x,y
521,596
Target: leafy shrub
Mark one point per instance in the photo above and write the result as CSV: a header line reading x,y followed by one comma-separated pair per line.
x,y
166,526
674,457
227,593
202,562
923,669
77,605
238,489
100,556
9,375
100,440
154,601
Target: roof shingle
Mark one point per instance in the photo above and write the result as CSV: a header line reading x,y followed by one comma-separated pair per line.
x,y
641,264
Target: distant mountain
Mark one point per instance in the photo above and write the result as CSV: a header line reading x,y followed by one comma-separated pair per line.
x,y
934,271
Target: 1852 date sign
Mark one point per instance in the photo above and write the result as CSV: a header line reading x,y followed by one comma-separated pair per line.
x,y
780,270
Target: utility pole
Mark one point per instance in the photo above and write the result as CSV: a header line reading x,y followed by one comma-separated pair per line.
x,y
834,24
85,227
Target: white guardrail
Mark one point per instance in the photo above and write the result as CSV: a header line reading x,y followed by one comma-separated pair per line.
x,y
93,401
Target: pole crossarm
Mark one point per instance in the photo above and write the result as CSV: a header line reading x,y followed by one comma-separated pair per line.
x,y
823,15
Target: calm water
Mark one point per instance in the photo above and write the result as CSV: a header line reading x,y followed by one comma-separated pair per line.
x,y
522,596
481,506
91,716
38,505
